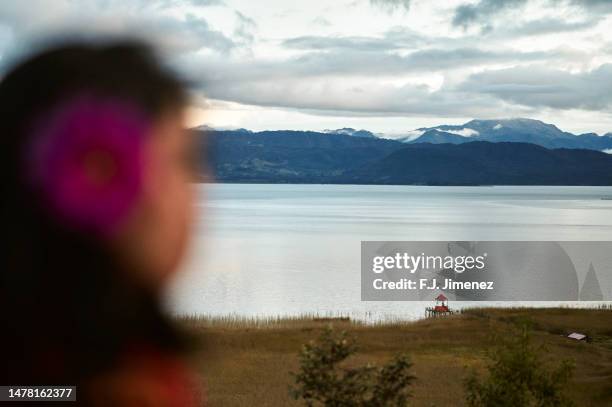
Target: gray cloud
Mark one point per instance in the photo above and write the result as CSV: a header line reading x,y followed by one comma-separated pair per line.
x,y
172,32
207,2
593,5
337,97
356,63
382,44
245,28
507,31
408,40
346,81
199,31
174,3
391,5
548,26
492,93
482,11
546,87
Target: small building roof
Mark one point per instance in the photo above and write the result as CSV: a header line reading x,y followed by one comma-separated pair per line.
x,y
577,336
441,297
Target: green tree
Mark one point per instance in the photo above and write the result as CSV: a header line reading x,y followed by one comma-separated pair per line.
x,y
324,381
517,376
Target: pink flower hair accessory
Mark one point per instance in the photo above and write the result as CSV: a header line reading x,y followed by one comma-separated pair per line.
x,y
87,161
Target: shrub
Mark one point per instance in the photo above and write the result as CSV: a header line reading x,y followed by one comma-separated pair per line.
x,y
517,376
323,380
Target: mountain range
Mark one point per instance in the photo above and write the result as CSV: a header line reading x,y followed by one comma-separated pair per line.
x,y
481,152
511,130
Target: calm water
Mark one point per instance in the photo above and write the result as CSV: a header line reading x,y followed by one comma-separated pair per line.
x,y
268,250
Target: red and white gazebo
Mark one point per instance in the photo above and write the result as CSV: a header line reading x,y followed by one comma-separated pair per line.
x,y
440,309
441,303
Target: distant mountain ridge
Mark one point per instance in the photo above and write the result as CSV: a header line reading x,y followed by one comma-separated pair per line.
x,y
352,132
511,130
518,130
315,157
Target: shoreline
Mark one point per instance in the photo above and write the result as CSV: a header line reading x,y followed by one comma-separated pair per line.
x,y
271,321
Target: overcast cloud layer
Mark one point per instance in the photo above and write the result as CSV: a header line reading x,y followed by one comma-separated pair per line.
x,y
386,65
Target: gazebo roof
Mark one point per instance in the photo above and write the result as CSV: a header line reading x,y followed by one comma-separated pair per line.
x,y
441,297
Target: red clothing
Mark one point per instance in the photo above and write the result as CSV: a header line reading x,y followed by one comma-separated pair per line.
x,y
149,378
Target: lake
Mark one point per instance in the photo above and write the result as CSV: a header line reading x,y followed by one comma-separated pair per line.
x,y
285,250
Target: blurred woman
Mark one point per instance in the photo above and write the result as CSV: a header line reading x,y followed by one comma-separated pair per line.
x,y
95,215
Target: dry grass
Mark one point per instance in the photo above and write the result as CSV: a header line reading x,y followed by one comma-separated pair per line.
x,y
247,362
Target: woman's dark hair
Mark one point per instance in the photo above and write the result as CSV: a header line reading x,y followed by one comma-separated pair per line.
x,y
68,308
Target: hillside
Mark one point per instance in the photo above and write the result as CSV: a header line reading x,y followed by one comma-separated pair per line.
x,y
484,163
291,156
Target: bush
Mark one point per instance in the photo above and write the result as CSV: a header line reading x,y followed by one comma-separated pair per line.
x,y
323,381
518,377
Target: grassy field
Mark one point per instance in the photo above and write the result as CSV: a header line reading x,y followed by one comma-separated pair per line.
x,y
248,362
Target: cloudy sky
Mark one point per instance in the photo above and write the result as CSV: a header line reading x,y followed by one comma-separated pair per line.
x,y
384,65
